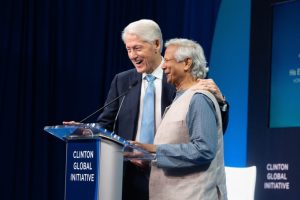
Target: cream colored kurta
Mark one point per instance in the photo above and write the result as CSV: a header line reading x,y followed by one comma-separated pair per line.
x,y
206,182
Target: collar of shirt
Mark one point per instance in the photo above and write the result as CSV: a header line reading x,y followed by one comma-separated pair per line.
x,y
158,72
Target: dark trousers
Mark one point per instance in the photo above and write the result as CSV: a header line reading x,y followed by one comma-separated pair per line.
x,y
135,182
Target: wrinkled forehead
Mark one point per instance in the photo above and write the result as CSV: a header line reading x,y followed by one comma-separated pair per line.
x,y
133,36
131,40
170,51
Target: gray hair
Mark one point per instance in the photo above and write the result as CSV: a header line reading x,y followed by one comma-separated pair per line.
x,y
146,29
190,49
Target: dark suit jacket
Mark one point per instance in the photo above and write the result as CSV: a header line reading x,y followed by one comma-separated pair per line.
x,y
126,122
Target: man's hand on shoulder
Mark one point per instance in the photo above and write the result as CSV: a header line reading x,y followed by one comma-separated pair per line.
x,y
211,86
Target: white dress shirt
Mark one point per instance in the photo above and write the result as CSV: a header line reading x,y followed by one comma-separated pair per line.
x,y
158,73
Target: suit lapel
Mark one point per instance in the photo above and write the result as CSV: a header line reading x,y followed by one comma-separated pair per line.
x,y
167,95
132,105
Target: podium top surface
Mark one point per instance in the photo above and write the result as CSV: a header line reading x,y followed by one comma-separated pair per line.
x,y
94,131
83,131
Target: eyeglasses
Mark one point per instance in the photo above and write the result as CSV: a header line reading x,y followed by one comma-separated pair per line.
x,y
167,60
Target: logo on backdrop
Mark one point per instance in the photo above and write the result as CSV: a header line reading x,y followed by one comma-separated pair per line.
x,y
294,73
277,176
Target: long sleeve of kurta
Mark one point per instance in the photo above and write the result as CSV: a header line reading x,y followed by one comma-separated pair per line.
x,y
202,126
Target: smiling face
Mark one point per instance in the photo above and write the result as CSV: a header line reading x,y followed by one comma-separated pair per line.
x,y
175,71
178,72
144,56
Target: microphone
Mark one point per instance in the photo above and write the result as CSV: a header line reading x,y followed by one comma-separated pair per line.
x,y
112,101
117,115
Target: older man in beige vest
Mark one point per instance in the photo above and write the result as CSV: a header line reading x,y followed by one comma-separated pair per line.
x,y
188,144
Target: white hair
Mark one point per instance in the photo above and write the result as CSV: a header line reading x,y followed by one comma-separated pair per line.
x,y
190,49
148,30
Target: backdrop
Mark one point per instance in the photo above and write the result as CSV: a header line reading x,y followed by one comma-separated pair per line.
x,y
57,59
273,132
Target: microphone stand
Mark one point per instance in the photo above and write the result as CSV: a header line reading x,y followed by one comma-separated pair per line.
x,y
109,103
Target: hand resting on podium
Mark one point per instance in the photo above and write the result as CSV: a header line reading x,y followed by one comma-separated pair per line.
x,y
137,157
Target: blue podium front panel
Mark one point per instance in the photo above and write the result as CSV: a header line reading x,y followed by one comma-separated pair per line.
x,y
84,141
82,168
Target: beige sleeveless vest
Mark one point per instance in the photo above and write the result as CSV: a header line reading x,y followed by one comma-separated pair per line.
x,y
207,182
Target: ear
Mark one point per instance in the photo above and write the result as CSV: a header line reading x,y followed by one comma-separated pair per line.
x,y
187,64
157,45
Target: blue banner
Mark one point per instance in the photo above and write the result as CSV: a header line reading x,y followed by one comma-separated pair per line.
x,y
274,112
82,169
285,74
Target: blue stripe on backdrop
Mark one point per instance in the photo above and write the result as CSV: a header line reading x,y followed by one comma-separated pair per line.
x,y
229,67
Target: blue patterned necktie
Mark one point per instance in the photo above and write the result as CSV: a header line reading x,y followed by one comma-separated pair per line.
x,y
147,126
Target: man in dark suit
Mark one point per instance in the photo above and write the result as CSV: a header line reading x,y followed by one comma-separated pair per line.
x,y
143,41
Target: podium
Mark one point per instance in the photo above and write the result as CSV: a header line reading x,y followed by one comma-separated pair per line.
x,y
94,161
